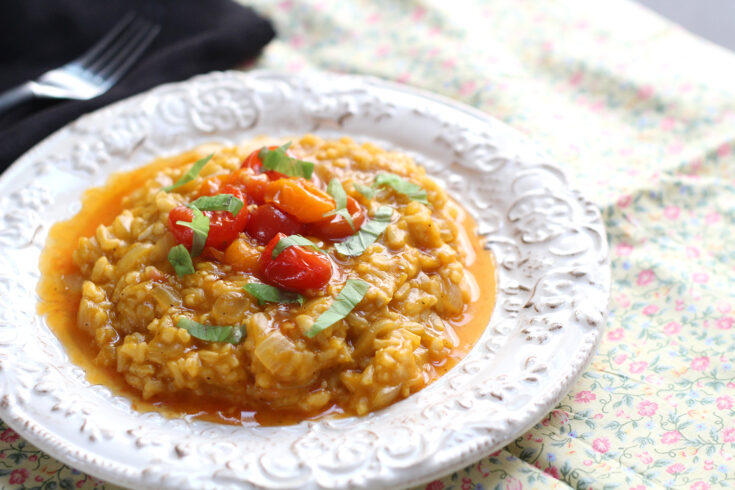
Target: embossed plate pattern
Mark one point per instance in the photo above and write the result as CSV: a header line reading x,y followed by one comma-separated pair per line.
x,y
553,277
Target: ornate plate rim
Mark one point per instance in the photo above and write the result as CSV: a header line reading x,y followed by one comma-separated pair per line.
x,y
514,151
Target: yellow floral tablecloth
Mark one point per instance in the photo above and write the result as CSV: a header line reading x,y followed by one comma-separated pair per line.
x,y
642,117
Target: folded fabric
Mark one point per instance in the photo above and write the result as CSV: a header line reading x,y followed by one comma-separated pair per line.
x,y
37,35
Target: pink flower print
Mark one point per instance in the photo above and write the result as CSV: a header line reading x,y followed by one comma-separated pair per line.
x,y
700,277
18,476
692,252
466,483
700,363
625,201
728,435
708,464
667,123
585,396
724,323
601,445
724,402
576,79
675,468
645,92
647,408
467,88
645,277
623,249
639,487
9,435
33,457
615,334
672,328
435,485
723,307
637,367
671,437
513,484
620,358
38,478
699,485
587,462
723,150
418,13
553,472
671,212
712,218
650,310
645,457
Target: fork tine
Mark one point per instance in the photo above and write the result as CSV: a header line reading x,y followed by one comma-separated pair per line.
x,y
121,42
89,56
123,61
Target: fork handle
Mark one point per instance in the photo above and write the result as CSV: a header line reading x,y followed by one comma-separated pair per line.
x,y
16,95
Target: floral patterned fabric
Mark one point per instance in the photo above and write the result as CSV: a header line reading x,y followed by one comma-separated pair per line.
x,y
642,117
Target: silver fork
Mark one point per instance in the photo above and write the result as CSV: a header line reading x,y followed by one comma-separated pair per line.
x,y
95,71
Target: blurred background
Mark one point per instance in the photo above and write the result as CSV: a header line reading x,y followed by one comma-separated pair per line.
x,y
712,19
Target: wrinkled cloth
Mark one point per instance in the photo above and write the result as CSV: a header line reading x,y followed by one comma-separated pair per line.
x,y
39,35
641,116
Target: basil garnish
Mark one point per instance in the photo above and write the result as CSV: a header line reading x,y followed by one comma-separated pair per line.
x,y
291,241
190,174
279,161
180,259
220,202
212,333
366,191
200,226
352,293
402,186
266,293
336,190
369,232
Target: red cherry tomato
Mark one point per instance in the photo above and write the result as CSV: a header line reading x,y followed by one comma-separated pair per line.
x,y
296,268
267,220
335,226
254,162
223,226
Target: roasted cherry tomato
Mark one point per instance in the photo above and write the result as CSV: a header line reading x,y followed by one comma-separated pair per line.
x,y
212,185
294,269
254,162
267,220
223,226
335,227
299,198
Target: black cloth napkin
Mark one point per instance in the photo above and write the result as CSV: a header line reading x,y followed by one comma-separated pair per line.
x,y
196,36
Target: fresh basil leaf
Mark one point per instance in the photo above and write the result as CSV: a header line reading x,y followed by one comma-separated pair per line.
x,y
180,259
336,190
293,240
190,174
352,293
220,202
266,293
279,161
211,333
200,226
366,191
402,186
369,232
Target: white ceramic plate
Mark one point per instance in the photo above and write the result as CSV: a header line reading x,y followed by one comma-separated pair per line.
x,y
553,277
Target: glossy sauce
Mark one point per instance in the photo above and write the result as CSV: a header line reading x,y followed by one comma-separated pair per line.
x,y
60,293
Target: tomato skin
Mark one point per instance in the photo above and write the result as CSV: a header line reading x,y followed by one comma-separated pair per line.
x,y
267,220
223,227
299,198
296,268
336,227
254,162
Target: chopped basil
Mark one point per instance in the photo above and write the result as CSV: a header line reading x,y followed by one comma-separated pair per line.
x,y
402,186
211,333
336,190
190,174
279,161
366,191
352,293
180,259
293,240
265,293
369,232
200,226
220,202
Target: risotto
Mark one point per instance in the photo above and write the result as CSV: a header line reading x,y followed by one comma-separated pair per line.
x,y
268,282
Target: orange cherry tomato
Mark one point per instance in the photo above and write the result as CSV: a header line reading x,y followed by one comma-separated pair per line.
x,y
223,226
299,198
296,268
253,184
336,226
